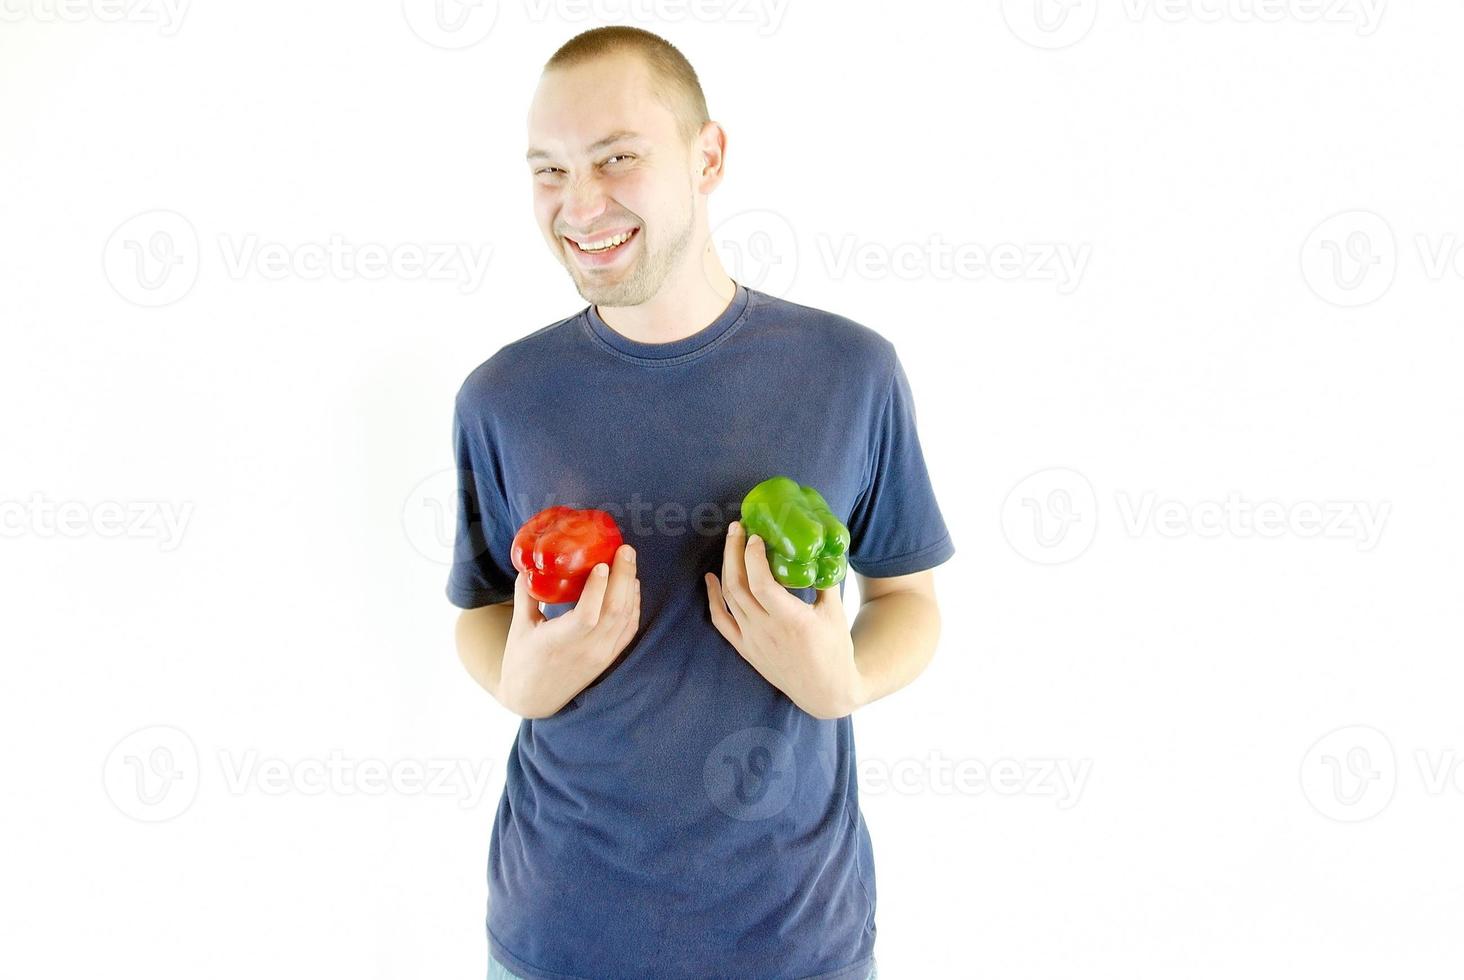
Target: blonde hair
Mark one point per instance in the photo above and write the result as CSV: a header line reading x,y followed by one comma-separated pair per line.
x,y
679,90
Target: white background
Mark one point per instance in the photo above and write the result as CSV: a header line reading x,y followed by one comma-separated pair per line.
x,y
1263,707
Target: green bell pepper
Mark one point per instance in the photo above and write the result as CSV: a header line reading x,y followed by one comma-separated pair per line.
x,y
806,544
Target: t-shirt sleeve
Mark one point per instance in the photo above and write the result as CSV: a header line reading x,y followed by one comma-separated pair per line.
x,y
896,527
482,571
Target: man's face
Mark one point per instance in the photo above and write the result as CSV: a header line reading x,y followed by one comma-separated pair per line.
x,y
606,159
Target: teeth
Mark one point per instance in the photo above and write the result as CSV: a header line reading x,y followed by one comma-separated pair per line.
x,y
604,243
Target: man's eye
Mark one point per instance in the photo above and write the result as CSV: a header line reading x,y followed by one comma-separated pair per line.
x,y
555,171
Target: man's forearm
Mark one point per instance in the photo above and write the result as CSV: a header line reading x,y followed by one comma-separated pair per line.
x,y
894,640
482,634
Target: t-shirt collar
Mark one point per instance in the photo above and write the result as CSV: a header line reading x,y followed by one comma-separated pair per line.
x,y
682,349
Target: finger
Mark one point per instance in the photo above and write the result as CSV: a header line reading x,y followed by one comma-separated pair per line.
x,y
525,607
721,618
619,592
632,621
728,600
734,573
768,590
587,610
829,602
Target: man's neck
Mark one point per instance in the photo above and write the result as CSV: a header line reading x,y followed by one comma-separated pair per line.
x,y
672,315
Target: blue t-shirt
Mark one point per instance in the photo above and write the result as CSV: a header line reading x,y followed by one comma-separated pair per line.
x,y
681,817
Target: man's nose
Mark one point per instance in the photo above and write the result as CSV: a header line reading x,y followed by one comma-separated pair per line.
x,y
584,202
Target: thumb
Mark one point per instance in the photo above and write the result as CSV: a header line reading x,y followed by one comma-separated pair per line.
x,y
526,611
828,602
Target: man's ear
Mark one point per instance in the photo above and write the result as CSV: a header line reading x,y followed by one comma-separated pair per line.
x,y
711,156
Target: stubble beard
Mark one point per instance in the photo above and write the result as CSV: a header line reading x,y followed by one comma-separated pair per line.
x,y
644,280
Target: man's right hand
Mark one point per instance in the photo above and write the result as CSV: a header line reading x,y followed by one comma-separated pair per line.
x,y
548,661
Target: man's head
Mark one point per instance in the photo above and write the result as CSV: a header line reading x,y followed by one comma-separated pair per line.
x,y
620,142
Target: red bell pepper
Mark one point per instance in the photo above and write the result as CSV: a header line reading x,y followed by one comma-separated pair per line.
x,y
558,547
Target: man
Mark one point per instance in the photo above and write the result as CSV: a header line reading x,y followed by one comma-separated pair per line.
x,y
681,798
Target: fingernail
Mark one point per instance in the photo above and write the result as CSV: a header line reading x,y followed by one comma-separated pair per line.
x,y
602,569
630,554
734,527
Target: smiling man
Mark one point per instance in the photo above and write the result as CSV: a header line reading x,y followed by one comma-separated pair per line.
x,y
681,799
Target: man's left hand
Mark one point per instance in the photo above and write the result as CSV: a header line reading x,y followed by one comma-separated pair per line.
x,y
805,651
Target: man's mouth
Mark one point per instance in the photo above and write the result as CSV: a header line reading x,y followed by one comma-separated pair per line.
x,y
603,244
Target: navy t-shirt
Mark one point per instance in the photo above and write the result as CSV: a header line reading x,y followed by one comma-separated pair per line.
x,y
681,817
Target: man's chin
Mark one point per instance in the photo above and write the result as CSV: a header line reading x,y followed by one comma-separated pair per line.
x,y
625,292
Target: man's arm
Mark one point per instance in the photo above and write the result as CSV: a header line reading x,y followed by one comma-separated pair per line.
x,y
895,632
482,634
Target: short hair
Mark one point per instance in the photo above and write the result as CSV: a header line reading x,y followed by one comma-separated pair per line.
x,y
679,90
